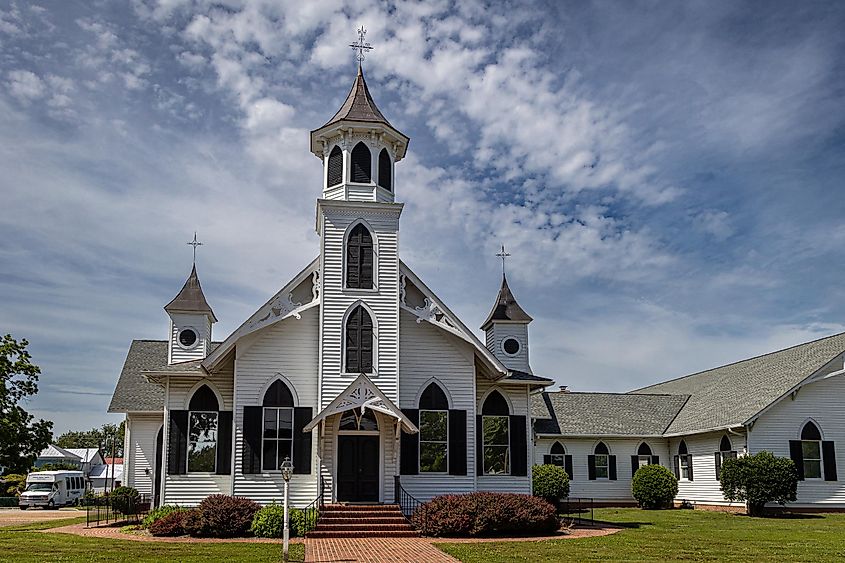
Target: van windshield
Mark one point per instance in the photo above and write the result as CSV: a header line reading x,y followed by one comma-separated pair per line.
x,y
39,487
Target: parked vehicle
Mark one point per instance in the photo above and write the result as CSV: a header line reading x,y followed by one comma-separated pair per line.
x,y
52,489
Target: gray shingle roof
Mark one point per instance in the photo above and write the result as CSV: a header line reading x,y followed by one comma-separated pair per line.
x,y
359,104
506,308
525,376
133,393
604,414
191,299
732,394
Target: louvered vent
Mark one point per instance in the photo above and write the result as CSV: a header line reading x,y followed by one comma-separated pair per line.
x,y
384,176
362,168
335,167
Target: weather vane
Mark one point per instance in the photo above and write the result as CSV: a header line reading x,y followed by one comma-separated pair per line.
x,y
503,255
195,244
361,46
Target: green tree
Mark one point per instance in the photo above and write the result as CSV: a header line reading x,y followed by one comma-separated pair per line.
x,y
21,437
95,438
758,480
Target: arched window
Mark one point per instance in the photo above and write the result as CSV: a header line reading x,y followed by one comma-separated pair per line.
x,y
355,420
726,451
434,430
359,341
644,457
683,462
602,461
811,449
203,420
558,454
335,167
362,165
359,258
495,422
644,449
384,170
277,435
725,444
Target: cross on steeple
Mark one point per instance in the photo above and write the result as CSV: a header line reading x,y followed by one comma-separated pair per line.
x,y
361,46
503,255
195,244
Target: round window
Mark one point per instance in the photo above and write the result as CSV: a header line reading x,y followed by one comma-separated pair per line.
x,y
510,346
187,337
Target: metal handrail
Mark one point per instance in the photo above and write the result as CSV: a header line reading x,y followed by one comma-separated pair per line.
x,y
574,508
314,510
407,502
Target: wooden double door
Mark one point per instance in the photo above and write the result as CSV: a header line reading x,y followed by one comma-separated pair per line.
x,y
358,468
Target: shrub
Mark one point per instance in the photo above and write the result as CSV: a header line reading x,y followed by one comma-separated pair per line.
x,y
13,485
224,516
654,486
269,522
160,512
759,479
300,522
549,482
193,524
485,514
173,524
124,500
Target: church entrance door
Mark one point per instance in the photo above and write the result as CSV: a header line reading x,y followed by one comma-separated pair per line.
x,y
358,468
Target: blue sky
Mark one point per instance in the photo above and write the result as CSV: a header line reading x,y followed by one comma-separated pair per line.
x,y
668,176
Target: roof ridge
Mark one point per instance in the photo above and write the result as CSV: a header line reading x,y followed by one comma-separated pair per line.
x,y
633,391
623,394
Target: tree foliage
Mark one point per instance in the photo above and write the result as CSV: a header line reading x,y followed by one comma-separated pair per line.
x,y
100,438
654,486
21,437
758,480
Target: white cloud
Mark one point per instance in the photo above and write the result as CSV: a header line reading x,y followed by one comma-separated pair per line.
x,y
716,223
25,85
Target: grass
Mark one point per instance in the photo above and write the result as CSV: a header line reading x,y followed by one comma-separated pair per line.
x,y
27,543
674,535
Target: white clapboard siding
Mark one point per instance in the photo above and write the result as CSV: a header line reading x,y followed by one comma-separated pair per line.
x,y
290,349
202,324
139,461
602,489
181,388
429,352
704,488
821,402
382,301
497,333
191,489
517,396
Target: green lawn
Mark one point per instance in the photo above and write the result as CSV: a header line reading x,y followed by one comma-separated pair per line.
x,y
25,543
689,535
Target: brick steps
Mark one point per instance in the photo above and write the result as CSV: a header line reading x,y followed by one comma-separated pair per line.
x,y
362,521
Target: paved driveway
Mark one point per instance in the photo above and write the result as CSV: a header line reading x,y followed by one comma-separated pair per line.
x,y
17,517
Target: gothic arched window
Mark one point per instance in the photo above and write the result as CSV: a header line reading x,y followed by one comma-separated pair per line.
x,y
384,170
558,454
434,430
362,165
359,341
683,462
335,172
359,258
203,419
811,449
602,461
495,422
277,433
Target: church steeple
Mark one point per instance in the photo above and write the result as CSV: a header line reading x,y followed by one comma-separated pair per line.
x,y
191,318
506,329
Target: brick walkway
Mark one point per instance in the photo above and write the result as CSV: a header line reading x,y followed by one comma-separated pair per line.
x,y
372,550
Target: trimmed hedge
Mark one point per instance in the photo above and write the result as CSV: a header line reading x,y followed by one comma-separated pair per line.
x,y
125,500
223,516
8,501
172,524
654,487
300,523
549,482
160,512
270,520
485,514
758,480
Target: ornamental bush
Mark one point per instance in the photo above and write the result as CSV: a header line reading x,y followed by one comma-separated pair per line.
x,y
172,524
160,512
224,516
300,522
758,480
269,522
654,486
485,514
124,500
549,482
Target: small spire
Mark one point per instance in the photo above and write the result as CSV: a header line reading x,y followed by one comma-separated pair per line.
x,y
191,299
506,308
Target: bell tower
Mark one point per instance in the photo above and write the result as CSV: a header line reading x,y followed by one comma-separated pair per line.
x,y
506,327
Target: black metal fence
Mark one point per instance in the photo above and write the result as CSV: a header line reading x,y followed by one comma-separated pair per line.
x,y
576,510
408,503
109,510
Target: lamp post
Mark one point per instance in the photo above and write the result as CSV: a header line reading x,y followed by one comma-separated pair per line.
x,y
287,470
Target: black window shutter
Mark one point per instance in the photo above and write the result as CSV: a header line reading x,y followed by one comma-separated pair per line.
x,y
718,458
361,165
177,443
591,467
457,442
677,465
797,455
479,446
689,464
301,441
635,464
612,468
655,460
251,452
519,446
384,170
829,456
567,465
335,175
547,459
409,446
224,443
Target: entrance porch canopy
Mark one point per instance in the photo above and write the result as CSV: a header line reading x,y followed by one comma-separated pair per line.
x,y
364,394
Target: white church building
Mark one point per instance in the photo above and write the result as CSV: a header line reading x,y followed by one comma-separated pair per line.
x,y
361,375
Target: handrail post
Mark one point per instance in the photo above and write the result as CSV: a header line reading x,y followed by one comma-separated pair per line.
x,y
396,486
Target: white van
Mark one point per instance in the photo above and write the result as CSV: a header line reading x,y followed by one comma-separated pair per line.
x,y
52,489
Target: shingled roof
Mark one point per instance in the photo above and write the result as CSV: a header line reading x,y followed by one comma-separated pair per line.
x,y
359,105
506,308
731,395
191,298
133,393
604,414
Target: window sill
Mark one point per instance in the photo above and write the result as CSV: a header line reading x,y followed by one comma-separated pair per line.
x,y
357,290
356,374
